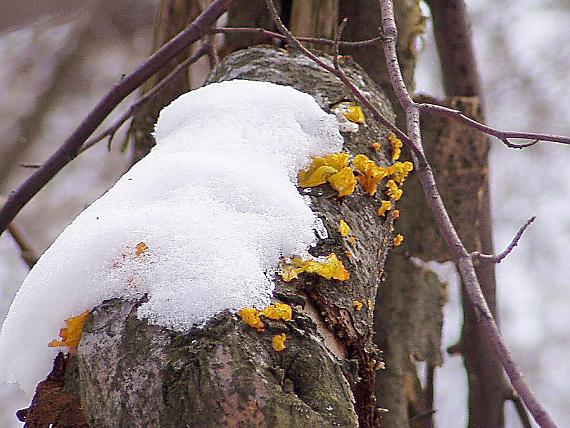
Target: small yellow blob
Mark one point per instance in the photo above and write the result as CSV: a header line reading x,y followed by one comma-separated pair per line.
x,y
250,316
348,254
352,240
332,268
376,146
385,207
399,171
71,333
355,114
357,305
350,110
398,240
393,190
279,342
396,146
343,182
278,311
343,228
396,214
141,248
371,174
321,168
333,169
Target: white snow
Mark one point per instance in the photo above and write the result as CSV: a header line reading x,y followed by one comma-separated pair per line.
x,y
216,204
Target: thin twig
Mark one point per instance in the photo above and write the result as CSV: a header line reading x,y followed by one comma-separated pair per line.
x,y
168,79
313,40
30,165
339,74
521,411
212,52
462,258
499,257
504,136
337,42
70,148
27,252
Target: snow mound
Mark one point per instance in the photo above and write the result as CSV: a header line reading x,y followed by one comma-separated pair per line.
x,y
216,204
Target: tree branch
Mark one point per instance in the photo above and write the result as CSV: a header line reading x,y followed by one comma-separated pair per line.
x,y
69,150
312,40
171,77
340,74
27,252
499,257
460,254
504,136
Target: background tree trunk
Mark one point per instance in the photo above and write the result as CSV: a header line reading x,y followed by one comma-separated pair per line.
x,y
129,373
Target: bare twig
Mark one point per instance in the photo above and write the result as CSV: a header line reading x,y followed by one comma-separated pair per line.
x,y
462,258
339,74
337,42
499,257
69,150
212,52
313,40
169,78
27,251
521,411
504,136
30,165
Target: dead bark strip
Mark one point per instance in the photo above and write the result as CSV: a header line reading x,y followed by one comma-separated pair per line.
x,y
130,373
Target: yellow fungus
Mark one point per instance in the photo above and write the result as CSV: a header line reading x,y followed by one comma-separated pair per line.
x,y
352,240
386,206
393,190
333,169
321,168
250,316
396,214
399,171
376,146
348,254
396,146
371,174
343,182
343,228
398,240
357,305
279,342
71,333
141,248
355,114
332,268
278,311
350,110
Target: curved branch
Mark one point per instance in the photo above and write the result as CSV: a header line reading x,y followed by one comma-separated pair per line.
x,y
173,75
462,258
312,40
499,257
504,136
69,150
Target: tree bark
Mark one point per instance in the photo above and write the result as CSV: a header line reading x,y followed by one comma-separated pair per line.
x,y
130,373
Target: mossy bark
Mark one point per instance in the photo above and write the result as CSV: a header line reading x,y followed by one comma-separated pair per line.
x,y
129,373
